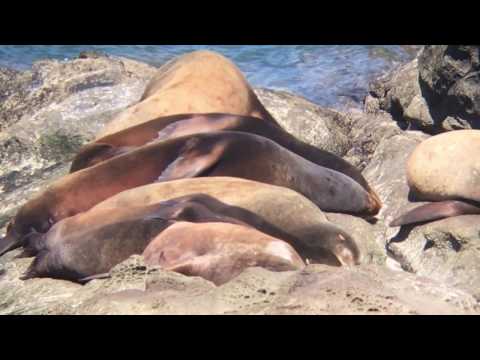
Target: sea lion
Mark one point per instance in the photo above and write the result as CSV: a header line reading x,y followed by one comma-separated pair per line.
x,y
218,252
89,244
188,124
197,82
223,153
303,225
444,169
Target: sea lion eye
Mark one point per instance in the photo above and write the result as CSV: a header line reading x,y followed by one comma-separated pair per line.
x,y
9,226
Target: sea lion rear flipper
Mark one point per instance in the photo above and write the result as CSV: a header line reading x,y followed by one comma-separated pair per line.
x,y
435,211
38,266
94,277
193,160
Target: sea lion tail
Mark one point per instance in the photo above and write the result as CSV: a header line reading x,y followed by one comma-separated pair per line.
x,y
435,211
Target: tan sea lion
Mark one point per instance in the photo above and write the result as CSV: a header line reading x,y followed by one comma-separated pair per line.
x,y
303,225
188,124
445,169
223,153
197,82
218,252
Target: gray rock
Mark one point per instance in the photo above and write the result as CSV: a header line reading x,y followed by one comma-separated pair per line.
x,y
447,250
136,289
450,80
48,112
398,93
324,128
439,91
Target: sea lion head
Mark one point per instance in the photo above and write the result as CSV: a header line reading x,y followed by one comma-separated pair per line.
x,y
33,218
346,250
331,245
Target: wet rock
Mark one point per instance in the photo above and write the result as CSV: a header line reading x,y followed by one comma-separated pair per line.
x,y
48,112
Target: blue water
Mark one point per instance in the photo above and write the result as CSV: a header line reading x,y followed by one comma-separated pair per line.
x,y
330,75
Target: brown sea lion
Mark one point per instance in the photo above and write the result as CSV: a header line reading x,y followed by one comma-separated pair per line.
x,y
445,169
218,252
197,82
188,124
225,153
89,244
302,224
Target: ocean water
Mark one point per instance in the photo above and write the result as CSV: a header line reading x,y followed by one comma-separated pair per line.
x,y
329,75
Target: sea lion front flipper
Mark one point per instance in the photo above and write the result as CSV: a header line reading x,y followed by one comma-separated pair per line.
x,y
193,160
95,153
198,123
435,211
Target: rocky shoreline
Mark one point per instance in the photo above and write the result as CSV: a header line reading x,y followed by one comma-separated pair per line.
x,y
48,112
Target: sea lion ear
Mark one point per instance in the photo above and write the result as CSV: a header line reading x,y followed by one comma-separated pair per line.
x,y
93,154
193,160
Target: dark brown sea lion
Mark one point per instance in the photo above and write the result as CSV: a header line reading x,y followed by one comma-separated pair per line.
x,y
225,153
197,82
218,252
436,211
188,124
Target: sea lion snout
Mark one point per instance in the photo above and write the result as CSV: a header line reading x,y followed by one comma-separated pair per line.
x,y
10,242
374,204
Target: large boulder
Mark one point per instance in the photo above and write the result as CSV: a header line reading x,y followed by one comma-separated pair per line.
x,y
450,82
48,112
439,91
321,127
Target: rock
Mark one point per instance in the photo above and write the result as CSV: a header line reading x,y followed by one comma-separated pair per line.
x,y
439,91
364,141
396,90
382,155
48,112
447,251
450,81
321,127
319,289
